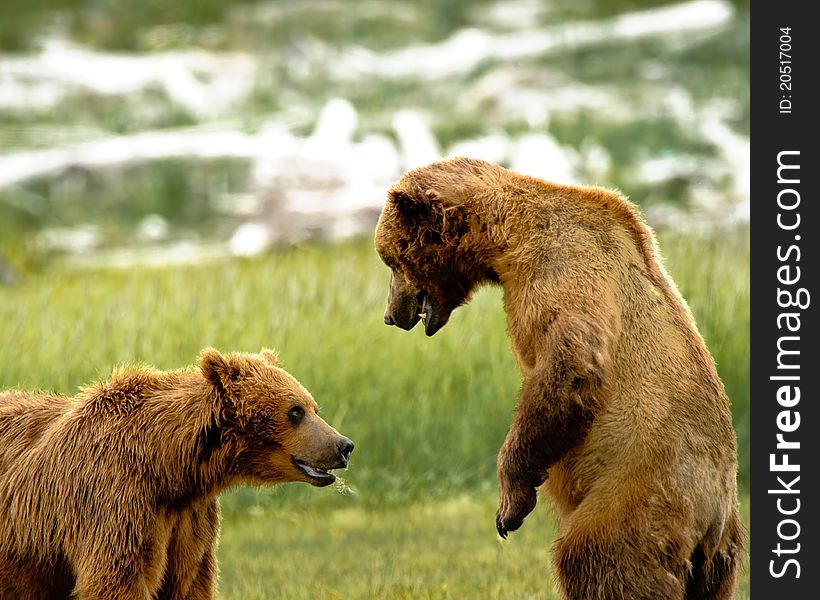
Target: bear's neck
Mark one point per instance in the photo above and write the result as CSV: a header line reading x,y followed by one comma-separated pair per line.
x,y
520,224
211,470
178,423
501,224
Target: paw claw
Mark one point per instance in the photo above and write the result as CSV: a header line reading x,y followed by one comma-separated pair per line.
x,y
513,509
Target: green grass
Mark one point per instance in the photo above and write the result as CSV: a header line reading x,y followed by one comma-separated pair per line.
x,y
427,415
445,549
396,395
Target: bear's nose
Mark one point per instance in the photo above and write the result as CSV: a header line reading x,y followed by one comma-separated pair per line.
x,y
345,447
388,320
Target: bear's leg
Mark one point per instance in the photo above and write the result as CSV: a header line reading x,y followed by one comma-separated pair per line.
x,y
26,580
113,570
560,398
204,584
30,588
109,585
712,580
608,565
191,569
716,578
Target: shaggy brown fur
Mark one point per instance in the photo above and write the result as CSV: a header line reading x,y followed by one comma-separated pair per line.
x,y
113,494
622,416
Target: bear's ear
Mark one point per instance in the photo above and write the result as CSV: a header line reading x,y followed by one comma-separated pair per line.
x,y
406,198
270,356
407,202
417,206
218,369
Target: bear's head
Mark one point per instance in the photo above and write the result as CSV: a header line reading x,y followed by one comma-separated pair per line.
x,y
270,421
434,243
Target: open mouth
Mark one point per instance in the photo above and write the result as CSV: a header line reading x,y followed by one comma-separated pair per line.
x,y
425,308
429,314
319,476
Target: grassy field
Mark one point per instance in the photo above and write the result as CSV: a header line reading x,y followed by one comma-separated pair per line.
x,y
444,549
427,415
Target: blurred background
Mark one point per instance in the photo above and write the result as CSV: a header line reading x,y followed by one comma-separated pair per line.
x,y
209,172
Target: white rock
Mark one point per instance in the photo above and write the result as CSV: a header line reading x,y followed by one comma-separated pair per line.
x,y
250,239
77,240
539,155
418,144
333,134
152,228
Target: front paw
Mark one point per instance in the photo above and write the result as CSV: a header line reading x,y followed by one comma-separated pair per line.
x,y
517,500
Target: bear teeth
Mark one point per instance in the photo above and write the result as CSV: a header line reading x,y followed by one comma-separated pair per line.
x,y
422,315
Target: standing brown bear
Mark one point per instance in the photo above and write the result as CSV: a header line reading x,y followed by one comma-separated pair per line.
x,y
113,494
622,419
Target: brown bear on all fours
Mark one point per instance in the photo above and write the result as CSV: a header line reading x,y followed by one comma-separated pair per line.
x,y
622,419
113,494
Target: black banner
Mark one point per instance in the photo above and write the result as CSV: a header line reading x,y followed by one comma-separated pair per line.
x,y
784,391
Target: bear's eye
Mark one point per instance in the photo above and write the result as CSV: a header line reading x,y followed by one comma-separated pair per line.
x,y
295,414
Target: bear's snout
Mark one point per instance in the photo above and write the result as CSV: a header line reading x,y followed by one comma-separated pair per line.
x,y
345,447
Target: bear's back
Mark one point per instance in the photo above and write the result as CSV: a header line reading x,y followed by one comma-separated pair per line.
x,y
24,417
